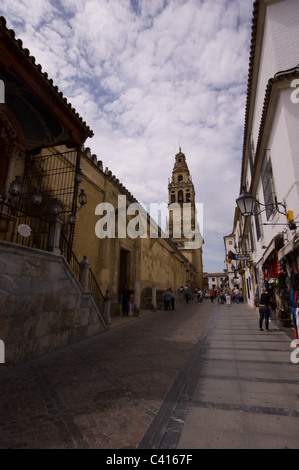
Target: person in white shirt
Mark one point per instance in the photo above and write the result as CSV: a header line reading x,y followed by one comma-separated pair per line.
x,y
228,297
237,295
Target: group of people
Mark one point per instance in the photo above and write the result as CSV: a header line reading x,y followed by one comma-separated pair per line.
x,y
222,295
227,296
186,292
169,296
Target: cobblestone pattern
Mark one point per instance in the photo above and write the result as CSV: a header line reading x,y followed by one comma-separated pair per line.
x,y
101,393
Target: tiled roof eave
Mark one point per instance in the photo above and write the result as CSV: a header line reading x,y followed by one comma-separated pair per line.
x,y
43,75
256,5
279,76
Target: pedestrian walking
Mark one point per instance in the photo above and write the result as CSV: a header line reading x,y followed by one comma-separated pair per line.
x,y
188,295
228,297
241,296
264,310
167,300
237,295
212,295
172,298
125,299
131,304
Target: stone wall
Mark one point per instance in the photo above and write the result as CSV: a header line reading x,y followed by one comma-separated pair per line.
x,y
146,299
42,305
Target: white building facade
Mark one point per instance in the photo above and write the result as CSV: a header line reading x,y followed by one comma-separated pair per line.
x,y
270,160
215,281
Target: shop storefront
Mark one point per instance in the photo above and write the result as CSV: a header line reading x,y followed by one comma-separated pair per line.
x,y
274,275
275,279
288,256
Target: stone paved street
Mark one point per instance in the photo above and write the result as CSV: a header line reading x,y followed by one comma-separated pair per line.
x,y
101,393
200,377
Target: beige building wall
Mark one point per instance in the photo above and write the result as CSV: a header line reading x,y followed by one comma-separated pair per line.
x,y
161,265
181,195
117,262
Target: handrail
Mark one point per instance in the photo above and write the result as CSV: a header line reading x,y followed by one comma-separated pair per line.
x,y
9,220
93,285
95,289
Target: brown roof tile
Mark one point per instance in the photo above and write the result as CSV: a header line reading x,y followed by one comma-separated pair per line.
x,y
44,75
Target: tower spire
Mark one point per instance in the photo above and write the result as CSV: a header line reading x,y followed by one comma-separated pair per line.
x,y
181,194
181,188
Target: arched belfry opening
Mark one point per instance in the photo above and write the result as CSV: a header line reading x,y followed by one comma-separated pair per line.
x,y
182,214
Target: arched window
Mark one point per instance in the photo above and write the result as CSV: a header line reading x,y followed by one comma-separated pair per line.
x,y
180,178
173,198
180,196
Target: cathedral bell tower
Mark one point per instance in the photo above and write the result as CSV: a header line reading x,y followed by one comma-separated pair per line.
x,y
180,190
182,215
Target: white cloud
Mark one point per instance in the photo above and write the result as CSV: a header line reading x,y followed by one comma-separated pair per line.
x,y
149,77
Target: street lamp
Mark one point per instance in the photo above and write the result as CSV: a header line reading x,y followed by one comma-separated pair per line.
x,y
82,201
246,203
55,207
72,218
36,198
15,190
78,177
82,198
15,187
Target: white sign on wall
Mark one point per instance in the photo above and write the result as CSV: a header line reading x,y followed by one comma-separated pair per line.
x,y
24,230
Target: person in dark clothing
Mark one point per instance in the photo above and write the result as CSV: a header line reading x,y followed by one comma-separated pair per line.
x,y
167,299
264,310
188,296
125,299
172,298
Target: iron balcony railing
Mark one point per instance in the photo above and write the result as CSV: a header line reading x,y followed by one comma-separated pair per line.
x,y
20,227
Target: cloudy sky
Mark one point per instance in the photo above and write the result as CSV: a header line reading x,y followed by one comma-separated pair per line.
x,y
148,77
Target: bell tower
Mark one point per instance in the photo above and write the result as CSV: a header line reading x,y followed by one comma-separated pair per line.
x,y
182,216
180,190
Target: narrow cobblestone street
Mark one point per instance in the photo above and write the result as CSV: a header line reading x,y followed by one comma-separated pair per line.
x,y
199,377
101,393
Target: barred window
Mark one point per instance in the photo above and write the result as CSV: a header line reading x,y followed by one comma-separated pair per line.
x,y
252,243
257,223
250,154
